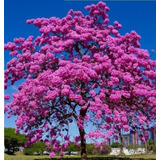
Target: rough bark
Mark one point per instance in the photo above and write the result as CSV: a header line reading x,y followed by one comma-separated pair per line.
x,y
122,144
82,134
83,145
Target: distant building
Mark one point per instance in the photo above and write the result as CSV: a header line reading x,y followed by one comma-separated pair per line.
x,y
134,138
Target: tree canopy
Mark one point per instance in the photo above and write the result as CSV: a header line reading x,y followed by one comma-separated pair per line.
x,y
38,147
80,69
72,148
12,140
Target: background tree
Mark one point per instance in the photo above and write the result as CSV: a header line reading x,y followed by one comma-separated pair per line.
x,y
90,148
80,69
12,140
37,147
151,146
101,149
116,145
28,151
72,148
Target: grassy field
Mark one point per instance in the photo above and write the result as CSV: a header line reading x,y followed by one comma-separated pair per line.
x,y
24,157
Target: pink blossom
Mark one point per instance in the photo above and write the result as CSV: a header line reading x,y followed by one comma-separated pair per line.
x,y
66,138
115,97
52,154
92,93
32,119
6,97
126,128
33,139
143,139
61,154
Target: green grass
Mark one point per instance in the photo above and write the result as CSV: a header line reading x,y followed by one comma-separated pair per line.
x,y
20,156
153,156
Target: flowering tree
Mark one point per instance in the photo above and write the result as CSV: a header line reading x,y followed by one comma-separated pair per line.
x,y
80,69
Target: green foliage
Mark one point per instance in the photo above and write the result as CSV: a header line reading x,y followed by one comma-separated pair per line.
x,y
72,148
115,145
12,140
151,145
103,150
107,149
37,147
90,148
132,146
28,151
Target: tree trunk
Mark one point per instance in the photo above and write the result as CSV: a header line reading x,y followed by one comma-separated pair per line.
x,y
83,145
146,147
122,145
82,134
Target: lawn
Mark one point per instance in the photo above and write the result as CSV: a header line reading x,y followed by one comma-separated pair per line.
x,y
22,157
45,157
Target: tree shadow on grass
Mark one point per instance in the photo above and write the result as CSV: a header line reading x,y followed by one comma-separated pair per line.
x,y
10,153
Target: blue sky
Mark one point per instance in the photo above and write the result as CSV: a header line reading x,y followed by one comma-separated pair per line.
x,y
139,16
